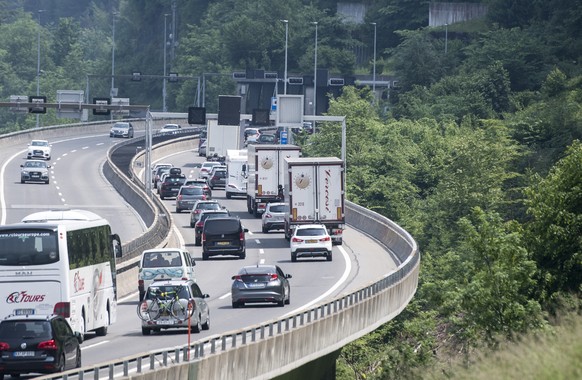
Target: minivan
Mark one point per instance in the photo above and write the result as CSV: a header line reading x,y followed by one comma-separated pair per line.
x,y
163,264
223,236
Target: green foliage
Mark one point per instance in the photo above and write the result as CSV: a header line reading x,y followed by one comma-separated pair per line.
x,y
554,232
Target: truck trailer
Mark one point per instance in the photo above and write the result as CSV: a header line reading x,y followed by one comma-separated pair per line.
x,y
221,138
266,169
314,191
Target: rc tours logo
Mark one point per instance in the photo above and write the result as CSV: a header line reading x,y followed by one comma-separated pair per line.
x,y
24,297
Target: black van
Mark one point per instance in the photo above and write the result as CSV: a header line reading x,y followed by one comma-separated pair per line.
x,y
223,236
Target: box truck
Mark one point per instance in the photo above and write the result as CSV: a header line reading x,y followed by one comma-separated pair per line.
x,y
221,138
266,168
314,192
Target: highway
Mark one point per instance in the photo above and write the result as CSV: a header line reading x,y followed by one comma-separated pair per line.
x,y
77,182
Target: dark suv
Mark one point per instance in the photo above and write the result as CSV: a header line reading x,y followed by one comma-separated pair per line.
x,y
217,178
171,185
38,344
223,236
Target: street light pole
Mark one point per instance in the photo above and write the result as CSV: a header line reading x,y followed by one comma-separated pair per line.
x,y
112,93
446,36
38,64
286,42
315,73
374,66
164,108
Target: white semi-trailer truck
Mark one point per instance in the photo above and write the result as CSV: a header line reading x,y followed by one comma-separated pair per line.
x,y
314,191
266,166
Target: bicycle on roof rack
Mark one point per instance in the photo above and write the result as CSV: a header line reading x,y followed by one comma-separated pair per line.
x,y
164,303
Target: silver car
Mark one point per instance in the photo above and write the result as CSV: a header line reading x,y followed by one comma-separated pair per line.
x,y
34,171
274,217
260,284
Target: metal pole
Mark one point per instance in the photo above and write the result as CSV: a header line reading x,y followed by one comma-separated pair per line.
x,y
164,108
203,90
286,45
112,92
315,74
374,69
38,64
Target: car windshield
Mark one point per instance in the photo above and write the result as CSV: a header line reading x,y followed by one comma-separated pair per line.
x,y
314,231
267,138
161,259
277,208
174,180
39,143
210,215
122,126
192,191
228,226
35,164
20,329
208,206
168,291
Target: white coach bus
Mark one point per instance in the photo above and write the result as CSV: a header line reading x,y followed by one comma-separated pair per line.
x,y
60,262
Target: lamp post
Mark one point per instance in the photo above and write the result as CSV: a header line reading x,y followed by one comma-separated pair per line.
x,y
38,64
164,108
315,73
374,65
286,42
112,93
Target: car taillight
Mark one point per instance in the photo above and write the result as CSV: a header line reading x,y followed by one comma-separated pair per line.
x,y
268,216
63,309
199,224
4,346
296,240
197,211
47,345
274,277
242,236
203,196
203,237
327,238
238,278
179,197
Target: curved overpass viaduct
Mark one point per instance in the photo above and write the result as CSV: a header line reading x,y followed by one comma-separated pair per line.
x,y
273,348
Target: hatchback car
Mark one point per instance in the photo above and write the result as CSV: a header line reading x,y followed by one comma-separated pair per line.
x,y
204,215
159,166
274,217
187,197
266,138
311,240
34,171
39,149
260,283
121,129
217,177
170,185
38,344
223,236
199,207
167,304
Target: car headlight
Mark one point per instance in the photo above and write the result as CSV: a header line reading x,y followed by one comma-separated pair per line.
x,y
25,172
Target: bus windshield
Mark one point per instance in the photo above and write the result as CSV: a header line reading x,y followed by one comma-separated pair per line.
x,y
28,247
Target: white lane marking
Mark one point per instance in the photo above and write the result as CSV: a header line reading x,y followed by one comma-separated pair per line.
x,y
342,279
257,241
261,261
94,345
85,147
224,296
261,251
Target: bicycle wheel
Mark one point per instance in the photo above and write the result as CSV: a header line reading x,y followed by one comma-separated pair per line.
x,y
180,309
148,310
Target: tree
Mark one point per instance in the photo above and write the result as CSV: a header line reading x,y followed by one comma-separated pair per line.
x,y
555,229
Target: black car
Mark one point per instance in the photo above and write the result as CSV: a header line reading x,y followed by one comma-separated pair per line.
x,y
38,344
204,215
223,236
217,178
171,185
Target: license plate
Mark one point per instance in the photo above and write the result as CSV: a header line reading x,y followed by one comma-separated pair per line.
x,y
175,189
23,311
222,243
256,285
35,175
165,322
22,354
312,241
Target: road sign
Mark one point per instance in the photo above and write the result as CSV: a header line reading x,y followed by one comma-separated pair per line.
x,y
283,137
39,100
19,99
102,102
70,97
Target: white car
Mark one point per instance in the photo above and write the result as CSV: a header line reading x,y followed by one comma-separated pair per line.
x,y
206,168
39,149
311,240
170,129
274,217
